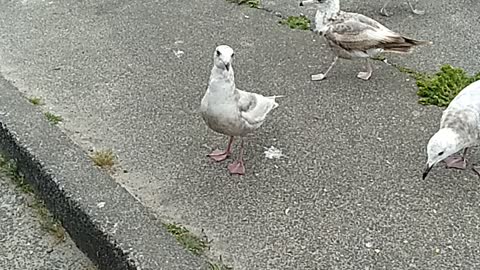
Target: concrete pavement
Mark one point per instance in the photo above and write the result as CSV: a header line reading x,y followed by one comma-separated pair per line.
x,y
349,195
25,243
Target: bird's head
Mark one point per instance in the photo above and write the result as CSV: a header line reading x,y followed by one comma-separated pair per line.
x,y
442,144
325,11
223,57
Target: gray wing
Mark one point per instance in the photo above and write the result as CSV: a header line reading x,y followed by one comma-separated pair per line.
x,y
463,120
353,31
254,107
468,97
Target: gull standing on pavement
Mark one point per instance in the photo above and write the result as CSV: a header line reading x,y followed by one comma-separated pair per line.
x,y
353,35
231,111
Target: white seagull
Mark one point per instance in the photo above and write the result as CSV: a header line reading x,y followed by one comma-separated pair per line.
x,y
459,129
230,111
353,35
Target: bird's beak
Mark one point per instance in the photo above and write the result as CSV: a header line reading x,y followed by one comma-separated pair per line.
x,y
227,66
427,170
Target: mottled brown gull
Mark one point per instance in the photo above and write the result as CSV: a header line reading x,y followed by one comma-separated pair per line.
x,y
353,35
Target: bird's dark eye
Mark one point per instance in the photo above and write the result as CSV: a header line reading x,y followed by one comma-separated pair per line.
x,y
441,153
233,54
218,53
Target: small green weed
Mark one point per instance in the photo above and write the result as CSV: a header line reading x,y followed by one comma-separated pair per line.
x,y
379,58
103,158
250,3
35,100
219,266
297,22
48,222
190,241
52,118
10,170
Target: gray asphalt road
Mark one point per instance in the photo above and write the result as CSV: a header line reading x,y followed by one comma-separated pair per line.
x,y
25,243
349,195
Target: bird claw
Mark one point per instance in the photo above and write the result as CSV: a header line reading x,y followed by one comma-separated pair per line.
x,y
384,12
456,163
219,155
236,167
418,11
318,77
414,10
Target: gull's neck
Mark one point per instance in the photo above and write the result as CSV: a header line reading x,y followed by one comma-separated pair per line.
x,y
324,15
222,74
221,78
332,9
463,138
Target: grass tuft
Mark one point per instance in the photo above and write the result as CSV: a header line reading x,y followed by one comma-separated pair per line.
x,y
219,265
48,222
9,169
297,22
190,241
103,158
52,118
250,3
35,100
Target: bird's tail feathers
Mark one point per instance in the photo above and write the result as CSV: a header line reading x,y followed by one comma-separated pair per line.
x,y
274,97
405,46
275,104
417,42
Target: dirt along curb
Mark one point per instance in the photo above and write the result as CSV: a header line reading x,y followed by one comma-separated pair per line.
x,y
106,222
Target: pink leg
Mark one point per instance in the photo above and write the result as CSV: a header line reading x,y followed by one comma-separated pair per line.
x,y
237,166
457,162
219,155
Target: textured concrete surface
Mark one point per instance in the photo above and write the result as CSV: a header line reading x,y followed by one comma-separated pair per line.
x,y
349,195
25,243
106,222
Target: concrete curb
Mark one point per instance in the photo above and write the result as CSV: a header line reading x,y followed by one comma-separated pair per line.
x,y
105,221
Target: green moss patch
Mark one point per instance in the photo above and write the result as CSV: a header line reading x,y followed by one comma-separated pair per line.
x,y
297,22
442,87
